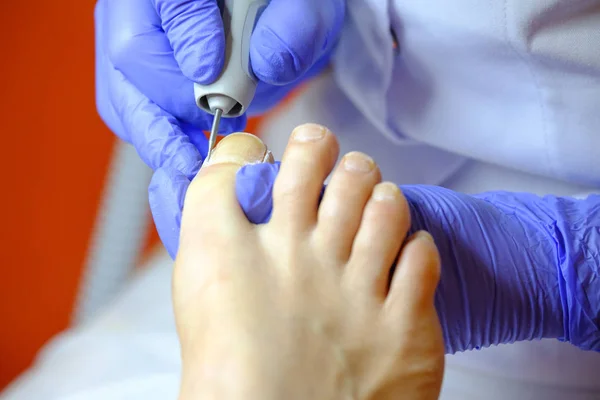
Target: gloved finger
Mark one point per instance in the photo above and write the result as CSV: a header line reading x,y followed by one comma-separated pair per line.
x,y
155,134
166,195
103,70
196,136
141,50
291,35
195,31
254,190
211,195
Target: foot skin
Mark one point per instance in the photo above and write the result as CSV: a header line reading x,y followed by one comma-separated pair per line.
x,y
302,307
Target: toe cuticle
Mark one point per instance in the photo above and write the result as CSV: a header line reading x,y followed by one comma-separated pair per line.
x,y
358,162
308,133
385,192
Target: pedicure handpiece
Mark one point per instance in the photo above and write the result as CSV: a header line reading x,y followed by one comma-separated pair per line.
x,y
230,95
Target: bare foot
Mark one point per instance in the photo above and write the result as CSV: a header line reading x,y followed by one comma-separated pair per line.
x,y
302,307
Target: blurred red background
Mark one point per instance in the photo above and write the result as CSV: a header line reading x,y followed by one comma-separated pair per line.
x,y
56,156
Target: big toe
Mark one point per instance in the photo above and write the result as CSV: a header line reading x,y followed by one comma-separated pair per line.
x,y
211,206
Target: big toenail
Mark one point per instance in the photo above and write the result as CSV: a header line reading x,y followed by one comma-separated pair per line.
x,y
358,162
386,191
424,235
240,149
308,133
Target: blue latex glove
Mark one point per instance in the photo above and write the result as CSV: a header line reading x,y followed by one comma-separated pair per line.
x,y
148,53
514,266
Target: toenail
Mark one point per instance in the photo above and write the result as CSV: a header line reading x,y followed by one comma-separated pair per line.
x,y
424,235
358,162
240,149
308,133
386,191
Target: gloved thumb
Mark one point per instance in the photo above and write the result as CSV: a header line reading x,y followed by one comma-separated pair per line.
x,y
292,35
166,195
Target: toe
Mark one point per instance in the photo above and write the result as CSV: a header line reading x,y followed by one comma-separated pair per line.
x,y
308,159
345,198
211,208
410,313
416,276
384,224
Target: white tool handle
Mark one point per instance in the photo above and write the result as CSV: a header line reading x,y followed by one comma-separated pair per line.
x,y
234,89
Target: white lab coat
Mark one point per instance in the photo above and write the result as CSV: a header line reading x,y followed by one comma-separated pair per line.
x,y
482,95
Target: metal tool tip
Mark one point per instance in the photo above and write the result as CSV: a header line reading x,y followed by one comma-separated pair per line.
x,y
212,140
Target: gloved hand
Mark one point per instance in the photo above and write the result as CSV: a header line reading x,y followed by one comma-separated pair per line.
x,y
148,53
514,266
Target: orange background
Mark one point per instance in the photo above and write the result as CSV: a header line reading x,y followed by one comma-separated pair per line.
x,y
56,150
56,154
